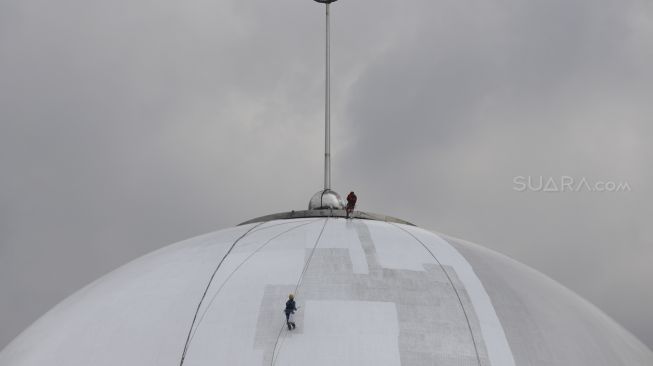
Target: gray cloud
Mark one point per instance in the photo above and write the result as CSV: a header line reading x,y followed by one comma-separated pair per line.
x,y
126,126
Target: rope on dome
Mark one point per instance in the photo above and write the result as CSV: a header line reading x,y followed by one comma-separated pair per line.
x,y
208,306
278,345
193,329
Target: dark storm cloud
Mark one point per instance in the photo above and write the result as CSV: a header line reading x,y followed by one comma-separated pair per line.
x,y
125,126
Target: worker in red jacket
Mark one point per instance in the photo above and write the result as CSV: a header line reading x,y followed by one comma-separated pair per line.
x,y
351,202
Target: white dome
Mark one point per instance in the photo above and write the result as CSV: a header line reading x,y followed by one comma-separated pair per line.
x,y
370,293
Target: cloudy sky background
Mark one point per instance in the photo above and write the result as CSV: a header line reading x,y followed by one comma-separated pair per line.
x,y
129,125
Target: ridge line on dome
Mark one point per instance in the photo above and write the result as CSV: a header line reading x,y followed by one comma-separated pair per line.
x,y
208,285
199,322
471,333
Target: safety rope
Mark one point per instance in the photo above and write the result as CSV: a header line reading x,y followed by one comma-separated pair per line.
x,y
469,325
208,306
299,282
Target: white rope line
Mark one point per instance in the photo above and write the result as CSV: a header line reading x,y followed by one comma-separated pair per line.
x,y
278,345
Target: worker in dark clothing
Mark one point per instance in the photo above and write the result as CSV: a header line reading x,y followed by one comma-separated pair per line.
x,y
290,312
351,202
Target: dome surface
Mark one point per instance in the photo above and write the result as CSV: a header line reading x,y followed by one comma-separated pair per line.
x,y
369,293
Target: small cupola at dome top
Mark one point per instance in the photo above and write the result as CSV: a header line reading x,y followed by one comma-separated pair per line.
x,y
326,199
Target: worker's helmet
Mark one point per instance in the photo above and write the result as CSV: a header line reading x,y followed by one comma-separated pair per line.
x,y
291,296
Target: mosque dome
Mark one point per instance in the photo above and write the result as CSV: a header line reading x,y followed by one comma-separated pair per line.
x,y
371,290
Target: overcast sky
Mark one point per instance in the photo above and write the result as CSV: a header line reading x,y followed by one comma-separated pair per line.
x,y
129,125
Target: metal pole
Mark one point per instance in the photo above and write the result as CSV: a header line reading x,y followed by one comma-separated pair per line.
x,y
327,111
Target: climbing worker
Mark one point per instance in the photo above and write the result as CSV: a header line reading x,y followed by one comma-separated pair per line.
x,y
351,202
290,312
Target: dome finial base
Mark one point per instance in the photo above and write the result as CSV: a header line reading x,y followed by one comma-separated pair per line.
x,y
326,199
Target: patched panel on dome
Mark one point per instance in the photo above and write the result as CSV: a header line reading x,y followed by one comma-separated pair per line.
x,y
370,292
431,326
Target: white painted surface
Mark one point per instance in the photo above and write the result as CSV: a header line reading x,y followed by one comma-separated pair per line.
x,y
493,334
229,316
394,249
140,314
136,315
342,235
342,333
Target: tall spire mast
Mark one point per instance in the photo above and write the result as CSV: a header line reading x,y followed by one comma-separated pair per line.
x,y
327,109
326,198
327,102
